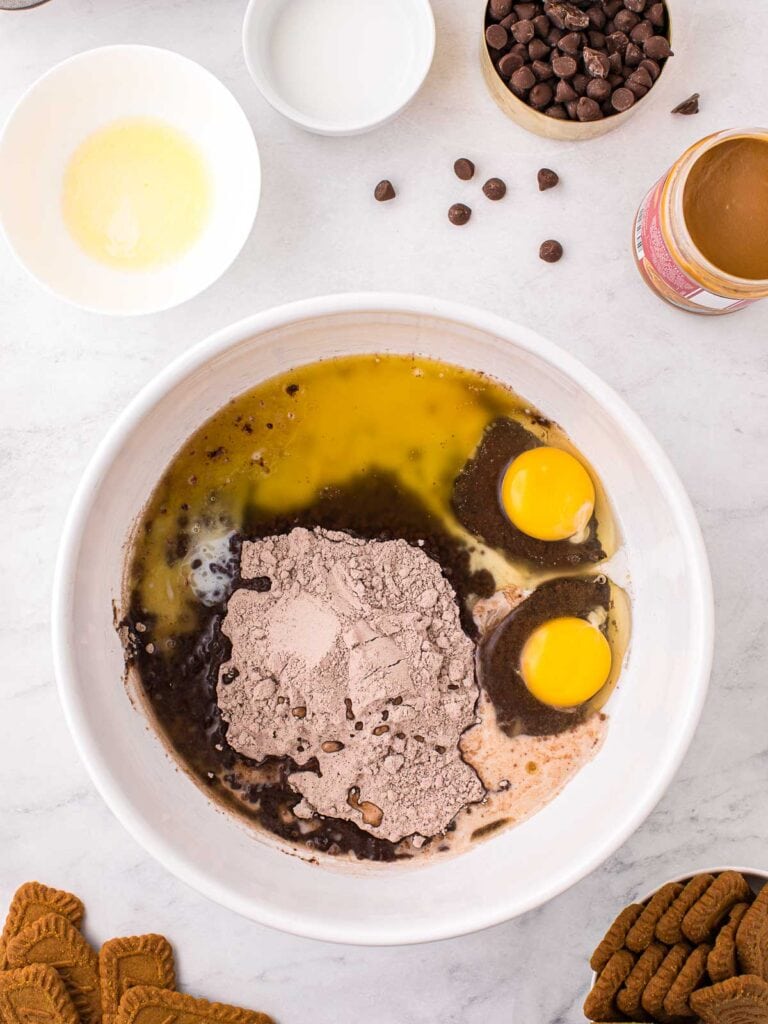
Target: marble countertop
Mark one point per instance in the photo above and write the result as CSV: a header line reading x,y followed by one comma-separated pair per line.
x,y
700,384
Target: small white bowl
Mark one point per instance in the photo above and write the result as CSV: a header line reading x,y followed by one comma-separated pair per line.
x,y
349,81
87,92
654,710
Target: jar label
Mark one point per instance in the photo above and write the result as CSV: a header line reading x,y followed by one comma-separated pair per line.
x,y
663,271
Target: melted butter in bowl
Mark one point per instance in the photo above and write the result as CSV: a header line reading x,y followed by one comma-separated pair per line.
x,y
136,194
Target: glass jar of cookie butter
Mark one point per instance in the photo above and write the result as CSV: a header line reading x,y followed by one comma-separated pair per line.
x,y
701,233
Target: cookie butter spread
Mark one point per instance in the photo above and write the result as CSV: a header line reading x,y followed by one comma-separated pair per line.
x,y
348,657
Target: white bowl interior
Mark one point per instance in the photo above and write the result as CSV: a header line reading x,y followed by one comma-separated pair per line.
x,y
88,92
346,81
653,711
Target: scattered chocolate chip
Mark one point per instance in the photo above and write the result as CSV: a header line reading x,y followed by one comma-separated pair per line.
x,y
495,188
547,179
551,251
497,37
384,191
464,168
689,106
459,214
622,99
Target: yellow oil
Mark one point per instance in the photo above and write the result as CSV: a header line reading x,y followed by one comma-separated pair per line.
x,y
136,194
320,425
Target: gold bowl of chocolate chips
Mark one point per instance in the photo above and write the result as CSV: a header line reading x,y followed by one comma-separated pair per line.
x,y
574,69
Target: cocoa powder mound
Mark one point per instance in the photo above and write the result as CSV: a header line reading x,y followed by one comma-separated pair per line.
x,y
354,664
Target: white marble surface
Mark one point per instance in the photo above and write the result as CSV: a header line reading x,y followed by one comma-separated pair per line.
x,y
700,384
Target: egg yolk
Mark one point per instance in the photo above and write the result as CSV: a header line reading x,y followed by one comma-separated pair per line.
x,y
565,662
548,494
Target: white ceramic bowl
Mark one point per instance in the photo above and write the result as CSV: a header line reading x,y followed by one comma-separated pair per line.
x,y
349,83
88,92
654,710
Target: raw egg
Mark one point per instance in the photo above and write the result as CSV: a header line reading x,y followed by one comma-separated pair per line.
x,y
565,662
548,494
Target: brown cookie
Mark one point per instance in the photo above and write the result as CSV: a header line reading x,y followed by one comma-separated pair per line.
x,y
35,995
599,1005
125,963
669,930
728,889
688,980
54,941
722,962
629,998
742,1000
146,1005
640,935
658,987
752,937
614,937
33,900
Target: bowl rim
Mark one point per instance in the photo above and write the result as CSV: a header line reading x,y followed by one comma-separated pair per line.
x,y
419,8
216,82
162,847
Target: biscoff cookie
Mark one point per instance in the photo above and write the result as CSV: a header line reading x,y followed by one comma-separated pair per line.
x,y
32,901
599,1004
127,962
629,998
728,889
742,1000
640,935
613,939
658,987
54,941
693,970
722,962
35,995
146,1005
669,930
752,937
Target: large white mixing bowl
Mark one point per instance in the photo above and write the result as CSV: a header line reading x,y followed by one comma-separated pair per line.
x,y
653,711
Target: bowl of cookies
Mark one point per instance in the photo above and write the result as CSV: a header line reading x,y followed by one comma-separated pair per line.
x,y
694,948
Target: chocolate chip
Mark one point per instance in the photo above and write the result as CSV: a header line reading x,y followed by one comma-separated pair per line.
x,y
633,55
525,11
554,35
542,25
625,21
588,110
598,89
580,83
571,108
543,70
538,49
522,80
565,92
509,63
656,15
616,63
551,251
558,112
459,214
495,188
499,8
384,191
641,32
612,7
651,67
523,31
564,67
464,169
541,96
657,48
617,42
622,99
497,37
689,106
636,6
596,64
596,39
571,44
640,77
547,179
